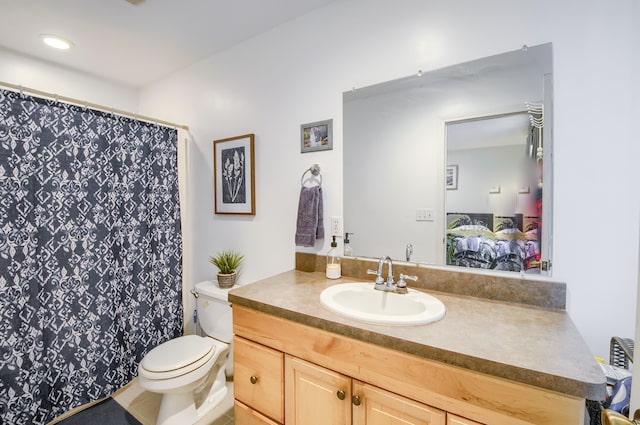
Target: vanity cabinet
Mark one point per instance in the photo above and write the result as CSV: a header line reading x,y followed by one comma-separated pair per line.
x,y
314,395
319,396
313,376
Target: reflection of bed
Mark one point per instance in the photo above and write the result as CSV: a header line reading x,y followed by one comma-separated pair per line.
x,y
492,242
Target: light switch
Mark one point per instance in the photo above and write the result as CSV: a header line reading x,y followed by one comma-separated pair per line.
x,y
424,214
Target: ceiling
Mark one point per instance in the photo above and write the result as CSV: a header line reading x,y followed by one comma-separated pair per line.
x,y
137,44
497,131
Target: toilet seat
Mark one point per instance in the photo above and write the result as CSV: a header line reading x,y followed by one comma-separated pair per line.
x,y
178,357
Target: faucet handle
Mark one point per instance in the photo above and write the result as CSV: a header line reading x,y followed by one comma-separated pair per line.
x,y
402,283
379,278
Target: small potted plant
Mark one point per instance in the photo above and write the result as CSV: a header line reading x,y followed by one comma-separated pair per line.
x,y
228,263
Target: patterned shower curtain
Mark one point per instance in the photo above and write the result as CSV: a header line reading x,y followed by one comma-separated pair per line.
x,y
90,253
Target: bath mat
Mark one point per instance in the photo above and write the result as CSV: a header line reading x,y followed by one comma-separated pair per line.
x,y
107,412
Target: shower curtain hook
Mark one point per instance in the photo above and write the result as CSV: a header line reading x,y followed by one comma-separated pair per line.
x,y
21,90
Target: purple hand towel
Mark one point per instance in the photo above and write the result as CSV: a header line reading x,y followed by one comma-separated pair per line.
x,y
310,225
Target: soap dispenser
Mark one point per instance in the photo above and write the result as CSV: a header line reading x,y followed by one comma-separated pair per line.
x,y
334,270
347,248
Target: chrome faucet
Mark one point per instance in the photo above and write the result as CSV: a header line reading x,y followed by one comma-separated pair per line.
x,y
390,285
380,282
401,286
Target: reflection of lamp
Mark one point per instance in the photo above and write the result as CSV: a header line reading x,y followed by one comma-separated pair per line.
x,y
536,118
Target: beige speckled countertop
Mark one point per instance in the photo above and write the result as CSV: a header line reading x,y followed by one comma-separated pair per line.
x,y
531,345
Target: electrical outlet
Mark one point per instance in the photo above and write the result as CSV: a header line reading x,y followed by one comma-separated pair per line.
x,y
336,226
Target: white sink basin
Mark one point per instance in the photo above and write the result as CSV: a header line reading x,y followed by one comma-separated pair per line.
x,y
360,301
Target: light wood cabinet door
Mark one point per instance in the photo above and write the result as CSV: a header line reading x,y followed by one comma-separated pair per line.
x,y
315,395
457,420
244,415
259,377
374,406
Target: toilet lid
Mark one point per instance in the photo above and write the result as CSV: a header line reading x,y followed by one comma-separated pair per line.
x,y
177,353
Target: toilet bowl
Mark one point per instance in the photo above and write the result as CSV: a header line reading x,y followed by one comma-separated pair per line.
x,y
189,370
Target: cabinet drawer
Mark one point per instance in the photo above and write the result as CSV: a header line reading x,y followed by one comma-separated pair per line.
x,y
259,377
457,420
244,415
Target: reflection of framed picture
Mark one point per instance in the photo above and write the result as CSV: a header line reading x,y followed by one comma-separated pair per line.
x,y
233,171
316,136
451,177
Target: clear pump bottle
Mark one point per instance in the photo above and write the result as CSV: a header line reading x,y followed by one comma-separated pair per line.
x,y
334,269
348,252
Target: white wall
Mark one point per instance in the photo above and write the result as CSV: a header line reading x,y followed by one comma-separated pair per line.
x,y
297,72
635,389
32,73
635,383
474,196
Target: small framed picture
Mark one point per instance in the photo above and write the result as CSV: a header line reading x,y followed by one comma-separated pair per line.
x,y
451,177
316,136
233,171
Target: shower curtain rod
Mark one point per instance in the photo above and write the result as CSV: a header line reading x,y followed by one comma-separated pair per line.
x,y
40,93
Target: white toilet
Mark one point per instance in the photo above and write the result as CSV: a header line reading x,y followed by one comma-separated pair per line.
x,y
190,371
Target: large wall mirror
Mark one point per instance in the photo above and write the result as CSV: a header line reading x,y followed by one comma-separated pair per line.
x,y
452,167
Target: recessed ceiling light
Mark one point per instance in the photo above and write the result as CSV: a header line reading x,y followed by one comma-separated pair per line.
x,y
56,42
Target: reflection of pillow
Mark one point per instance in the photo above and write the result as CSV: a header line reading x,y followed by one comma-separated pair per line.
x,y
472,230
457,221
511,247
503,223
531,249
532,235
472,227
510,234
531,225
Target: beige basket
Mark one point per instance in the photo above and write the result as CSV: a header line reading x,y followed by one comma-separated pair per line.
x,y
226,280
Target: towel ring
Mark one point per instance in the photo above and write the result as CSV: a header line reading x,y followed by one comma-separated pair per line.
x,y
315,171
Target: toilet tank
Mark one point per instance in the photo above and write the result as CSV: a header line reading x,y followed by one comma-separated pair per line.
x,y
214,311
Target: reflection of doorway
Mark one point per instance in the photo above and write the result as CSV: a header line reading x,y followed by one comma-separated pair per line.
x,y
497,178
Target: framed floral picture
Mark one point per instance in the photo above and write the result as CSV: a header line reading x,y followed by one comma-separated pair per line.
x,y
234,180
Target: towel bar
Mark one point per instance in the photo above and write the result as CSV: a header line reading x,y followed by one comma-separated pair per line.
x,y
315,171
